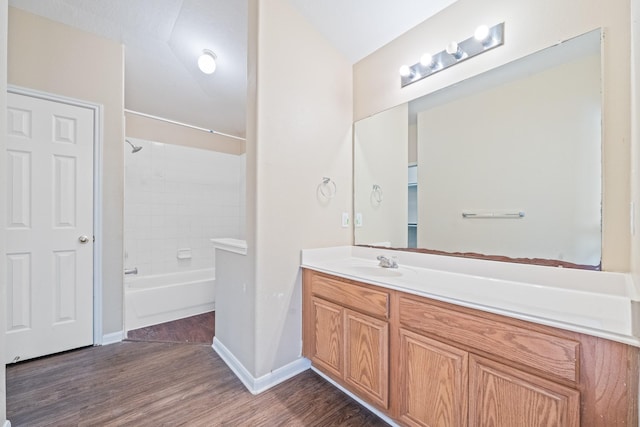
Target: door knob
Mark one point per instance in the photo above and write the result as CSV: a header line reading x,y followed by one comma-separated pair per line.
x,y
83,239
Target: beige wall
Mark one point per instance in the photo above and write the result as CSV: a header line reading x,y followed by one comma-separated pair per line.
x,y
142,127
635,137
235,306
529,27
299,130
3,132
50,57
380,158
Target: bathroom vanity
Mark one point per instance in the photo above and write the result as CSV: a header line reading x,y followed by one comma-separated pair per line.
x,y
459,342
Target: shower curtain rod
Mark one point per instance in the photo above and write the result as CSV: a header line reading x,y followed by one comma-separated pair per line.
x,y
162,119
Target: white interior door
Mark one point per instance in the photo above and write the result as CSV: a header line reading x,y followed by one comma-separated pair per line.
x,y
49,227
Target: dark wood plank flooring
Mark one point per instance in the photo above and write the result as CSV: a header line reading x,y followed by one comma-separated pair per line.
x,y
198,329
162,384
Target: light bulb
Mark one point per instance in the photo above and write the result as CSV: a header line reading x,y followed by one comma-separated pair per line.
x,y
426,60
454,50
207,62
481,34
405,71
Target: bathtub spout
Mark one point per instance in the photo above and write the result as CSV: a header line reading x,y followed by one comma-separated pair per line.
x,y
131,270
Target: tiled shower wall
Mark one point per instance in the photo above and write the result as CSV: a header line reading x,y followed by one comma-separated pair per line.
x,y
176,199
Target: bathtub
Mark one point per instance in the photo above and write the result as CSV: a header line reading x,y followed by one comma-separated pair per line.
x,y
150,300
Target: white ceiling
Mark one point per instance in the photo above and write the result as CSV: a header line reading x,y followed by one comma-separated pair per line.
x,y
360,27
163,38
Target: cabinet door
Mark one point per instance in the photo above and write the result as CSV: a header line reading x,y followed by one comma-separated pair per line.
x,y
328,337
367,357
502,396
433,382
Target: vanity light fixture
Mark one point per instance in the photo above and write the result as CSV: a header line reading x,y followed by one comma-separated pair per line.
x,y
485,38
207,61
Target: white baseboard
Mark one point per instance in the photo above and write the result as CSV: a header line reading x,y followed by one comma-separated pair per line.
x,y
265,382
112,338
373,409
281,374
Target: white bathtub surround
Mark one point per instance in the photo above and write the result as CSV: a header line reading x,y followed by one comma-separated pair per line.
x,y
176,199
265,382
154,299
597,303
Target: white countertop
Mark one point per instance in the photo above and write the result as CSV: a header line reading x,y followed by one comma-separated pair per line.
x,y
591,302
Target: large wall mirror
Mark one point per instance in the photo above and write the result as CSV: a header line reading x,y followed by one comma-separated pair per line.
x,y
506,165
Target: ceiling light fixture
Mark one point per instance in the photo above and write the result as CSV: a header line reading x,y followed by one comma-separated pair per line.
x,y
207,61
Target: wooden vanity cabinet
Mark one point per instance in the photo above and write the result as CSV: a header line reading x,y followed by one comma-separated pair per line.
x,y
499,394
346,335
441,385
432,382
430,363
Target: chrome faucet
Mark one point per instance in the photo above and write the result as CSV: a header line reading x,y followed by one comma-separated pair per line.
x,y
387,262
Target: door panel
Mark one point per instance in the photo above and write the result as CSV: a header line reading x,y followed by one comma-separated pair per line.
x,y
503,396
50,205
433,384
329,332
367,356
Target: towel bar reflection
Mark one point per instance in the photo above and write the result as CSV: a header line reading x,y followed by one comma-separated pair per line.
x,y
496,215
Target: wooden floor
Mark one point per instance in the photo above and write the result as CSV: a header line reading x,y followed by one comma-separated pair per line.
x,y
164,384
198,329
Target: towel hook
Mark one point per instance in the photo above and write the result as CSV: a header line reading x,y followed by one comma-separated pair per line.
x,y
376,194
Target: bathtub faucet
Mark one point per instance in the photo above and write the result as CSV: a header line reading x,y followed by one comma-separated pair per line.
x,y
387,262
131,270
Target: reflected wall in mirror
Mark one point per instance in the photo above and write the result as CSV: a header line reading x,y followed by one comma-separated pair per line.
x,y
517,148
380,156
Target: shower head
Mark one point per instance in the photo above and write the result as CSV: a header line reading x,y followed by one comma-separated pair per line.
x,y
135,148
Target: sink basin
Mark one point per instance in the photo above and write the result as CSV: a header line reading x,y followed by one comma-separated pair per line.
x,y
378,271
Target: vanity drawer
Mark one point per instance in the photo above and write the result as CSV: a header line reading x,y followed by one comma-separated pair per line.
x,y
553,355
363,299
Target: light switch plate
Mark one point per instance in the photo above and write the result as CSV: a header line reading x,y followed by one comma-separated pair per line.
x,y
345,219
358,219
